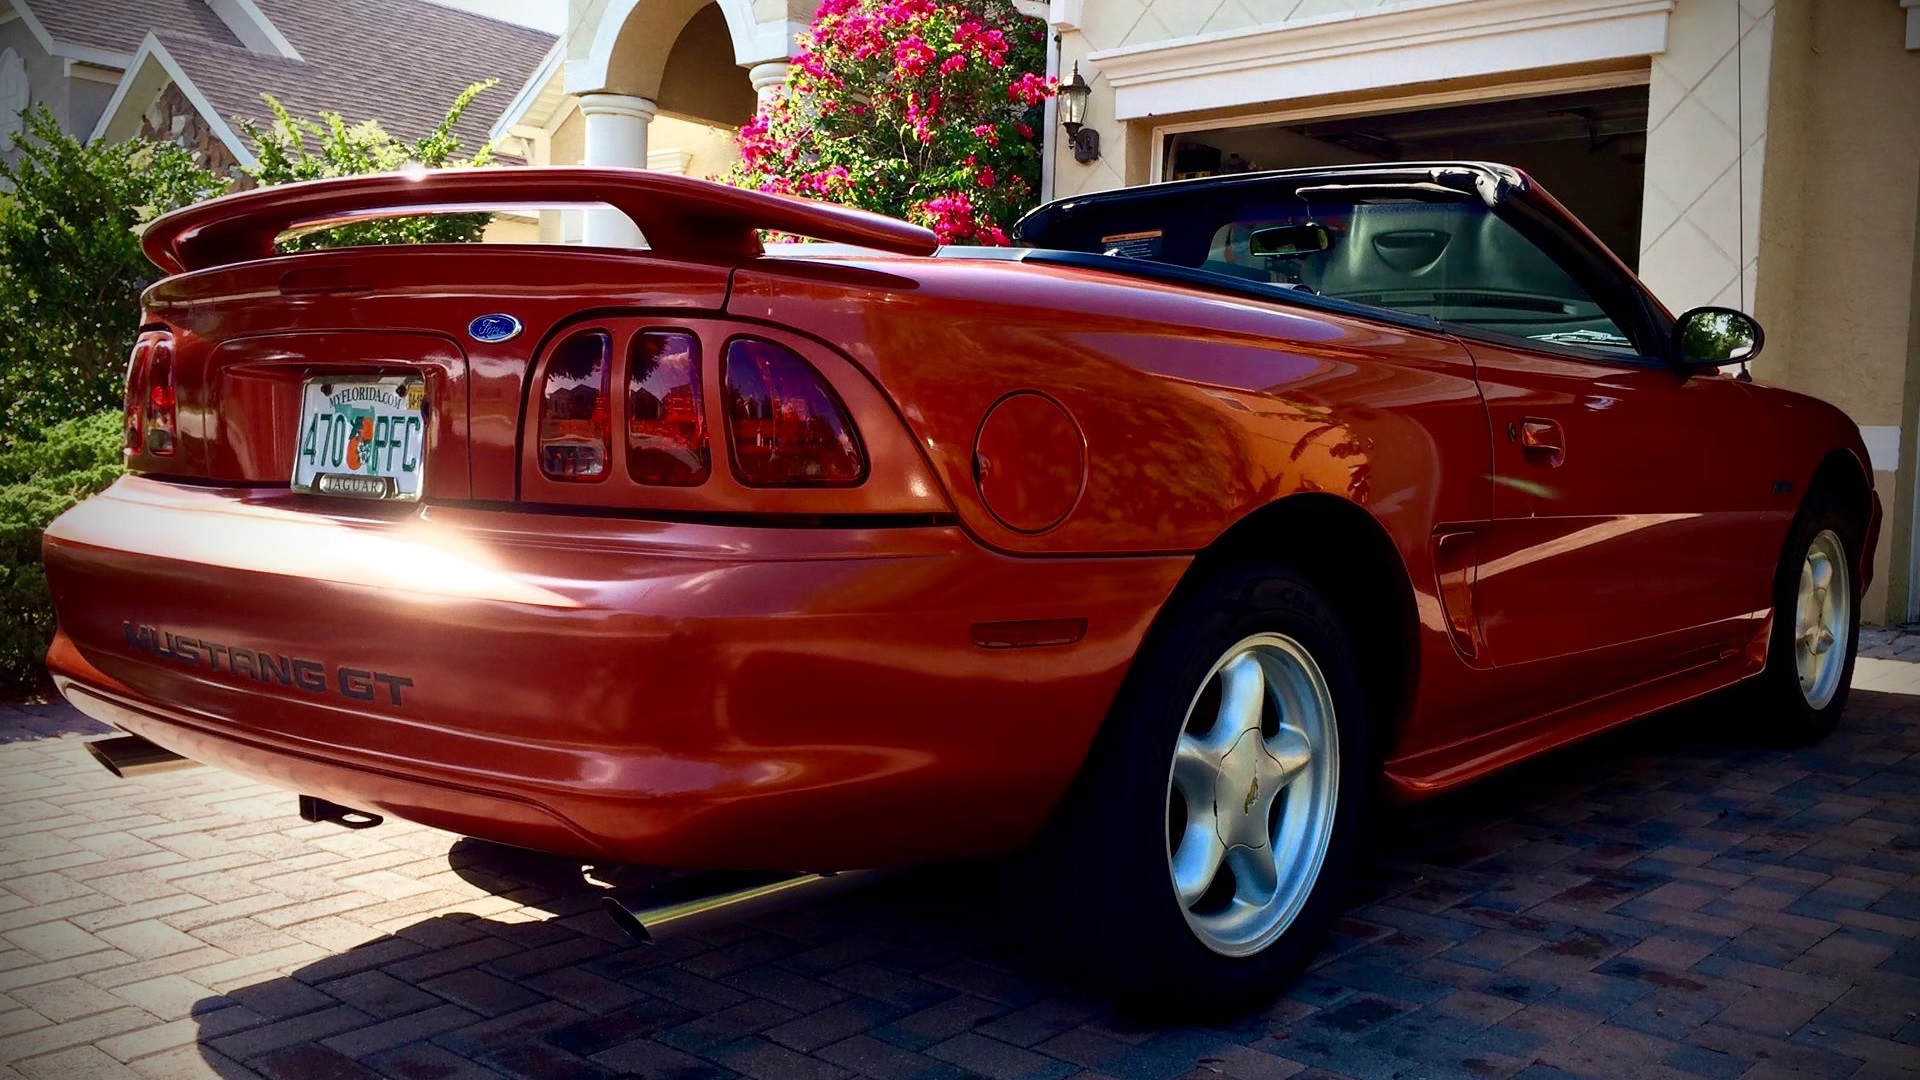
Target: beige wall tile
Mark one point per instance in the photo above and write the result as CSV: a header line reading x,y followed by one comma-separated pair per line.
x,y
1704,99
1684,263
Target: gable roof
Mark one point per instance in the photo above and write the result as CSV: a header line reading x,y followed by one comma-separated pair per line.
x,y
401,62
426,54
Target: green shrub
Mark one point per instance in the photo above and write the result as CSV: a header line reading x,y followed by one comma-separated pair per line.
x,y
38,481
71,269
294,149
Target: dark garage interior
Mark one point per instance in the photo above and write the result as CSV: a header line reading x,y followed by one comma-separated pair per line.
x,y
1587,148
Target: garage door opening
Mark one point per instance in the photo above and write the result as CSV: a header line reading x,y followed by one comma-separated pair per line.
x,y
1589,149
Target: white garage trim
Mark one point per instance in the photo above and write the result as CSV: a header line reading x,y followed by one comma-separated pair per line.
x,y
1422,41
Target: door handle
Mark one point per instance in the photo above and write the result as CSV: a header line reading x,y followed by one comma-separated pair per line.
x,y
1541,441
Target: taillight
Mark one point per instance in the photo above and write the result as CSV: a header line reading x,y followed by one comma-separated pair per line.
x,y
666,422
162,418
575,424
136,403
785,423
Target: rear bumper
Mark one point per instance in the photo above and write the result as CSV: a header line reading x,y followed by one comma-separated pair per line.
x,y
671,693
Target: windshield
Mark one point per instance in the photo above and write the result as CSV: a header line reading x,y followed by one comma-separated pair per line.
x,y
1411,247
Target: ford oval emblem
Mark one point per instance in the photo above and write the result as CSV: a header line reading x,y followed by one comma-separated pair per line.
x,y
493,328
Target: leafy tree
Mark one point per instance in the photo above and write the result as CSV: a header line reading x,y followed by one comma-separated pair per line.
x,y
295,149
71,269
923,109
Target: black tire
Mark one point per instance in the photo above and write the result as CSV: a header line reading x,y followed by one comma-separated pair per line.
x,y
1120,918
1777,699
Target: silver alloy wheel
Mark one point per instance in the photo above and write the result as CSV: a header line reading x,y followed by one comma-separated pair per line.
x,y
1251,794
1823,617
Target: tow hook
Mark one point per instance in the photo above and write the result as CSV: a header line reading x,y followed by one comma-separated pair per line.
x,y
314,808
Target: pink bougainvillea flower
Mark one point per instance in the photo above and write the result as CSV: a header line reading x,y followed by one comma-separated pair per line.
x,y
923,109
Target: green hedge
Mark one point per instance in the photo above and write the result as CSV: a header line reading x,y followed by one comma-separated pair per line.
x,y
38,481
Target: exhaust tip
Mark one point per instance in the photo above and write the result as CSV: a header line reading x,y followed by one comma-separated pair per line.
x,y
626,920
711,897
128,756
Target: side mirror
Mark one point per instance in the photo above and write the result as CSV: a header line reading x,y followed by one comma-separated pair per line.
x,y
1289,241
1716,336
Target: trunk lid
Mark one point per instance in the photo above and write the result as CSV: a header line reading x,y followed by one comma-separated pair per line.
x,y
247,338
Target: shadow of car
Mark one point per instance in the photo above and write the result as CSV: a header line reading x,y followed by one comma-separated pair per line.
x,y
1529,890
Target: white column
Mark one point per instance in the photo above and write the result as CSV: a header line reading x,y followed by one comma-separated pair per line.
x,y
768,79
616,135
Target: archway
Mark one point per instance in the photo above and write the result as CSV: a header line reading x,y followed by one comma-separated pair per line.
x,y
668,75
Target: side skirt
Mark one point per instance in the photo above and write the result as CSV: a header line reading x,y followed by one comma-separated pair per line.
x,y
1430,772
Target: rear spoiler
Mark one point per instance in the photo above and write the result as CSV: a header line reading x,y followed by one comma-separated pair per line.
x,y
681,217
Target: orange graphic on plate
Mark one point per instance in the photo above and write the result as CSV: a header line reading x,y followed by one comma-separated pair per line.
x,y
363,435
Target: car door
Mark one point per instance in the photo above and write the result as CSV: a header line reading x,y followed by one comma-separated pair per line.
x,y
1626,542
1620,544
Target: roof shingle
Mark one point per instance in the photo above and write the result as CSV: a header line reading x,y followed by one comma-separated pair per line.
x,y
401,62
120,25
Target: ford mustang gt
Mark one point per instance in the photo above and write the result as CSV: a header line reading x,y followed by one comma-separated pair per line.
x,y
1161,540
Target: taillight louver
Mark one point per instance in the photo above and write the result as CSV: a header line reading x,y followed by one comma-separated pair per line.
x,y
575,419
666,413
786,426
162,405
135,417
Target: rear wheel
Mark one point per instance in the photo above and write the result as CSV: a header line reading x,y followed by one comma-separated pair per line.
x,y
1816,626
1252,794
1209,839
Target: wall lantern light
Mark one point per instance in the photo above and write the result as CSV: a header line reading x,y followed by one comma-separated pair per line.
x,y
1073,114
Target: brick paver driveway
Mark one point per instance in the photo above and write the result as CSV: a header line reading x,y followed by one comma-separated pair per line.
x,y
1669,901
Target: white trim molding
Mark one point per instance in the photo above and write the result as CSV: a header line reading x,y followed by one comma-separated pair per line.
x,y
80,69
1883,446
1418,42
1064,14
151,69
1913,22
530,91
671,160
754,42
253,28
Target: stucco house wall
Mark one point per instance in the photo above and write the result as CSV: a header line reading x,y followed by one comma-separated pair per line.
x,y
1839,239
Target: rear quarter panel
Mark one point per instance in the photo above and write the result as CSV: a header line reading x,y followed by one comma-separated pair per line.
x,y
1196,409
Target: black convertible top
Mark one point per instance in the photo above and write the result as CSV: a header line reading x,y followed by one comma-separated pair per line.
x,y
1077,223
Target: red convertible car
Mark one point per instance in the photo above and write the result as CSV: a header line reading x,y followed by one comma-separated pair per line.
x,y
1160,540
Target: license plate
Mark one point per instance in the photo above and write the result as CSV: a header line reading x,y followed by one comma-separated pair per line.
x,y
364,438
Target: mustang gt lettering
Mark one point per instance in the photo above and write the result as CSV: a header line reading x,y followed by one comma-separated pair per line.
x,y
268,668
1154,546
